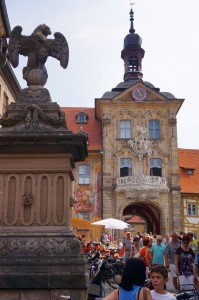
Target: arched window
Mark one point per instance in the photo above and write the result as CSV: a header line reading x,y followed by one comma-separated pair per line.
x,y
81,117
125,167
133,64
156,167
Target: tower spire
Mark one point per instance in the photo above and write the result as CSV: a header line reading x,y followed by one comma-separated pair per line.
x,y
131,30
132,52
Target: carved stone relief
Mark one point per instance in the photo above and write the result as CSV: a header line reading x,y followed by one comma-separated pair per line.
x,y
141,187
27,199
39,246
23,192
140,145
106,119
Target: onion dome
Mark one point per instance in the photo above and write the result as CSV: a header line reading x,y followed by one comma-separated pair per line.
x,y
132,53
132,39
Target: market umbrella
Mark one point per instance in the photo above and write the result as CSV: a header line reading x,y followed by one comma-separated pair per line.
x,y
112,223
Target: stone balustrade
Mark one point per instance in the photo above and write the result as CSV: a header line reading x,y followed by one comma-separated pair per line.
x,y
143,187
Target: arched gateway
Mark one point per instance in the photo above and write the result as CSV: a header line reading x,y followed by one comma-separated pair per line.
x,y
151,215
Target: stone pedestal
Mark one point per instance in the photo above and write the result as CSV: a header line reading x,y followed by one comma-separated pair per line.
x,y
40,258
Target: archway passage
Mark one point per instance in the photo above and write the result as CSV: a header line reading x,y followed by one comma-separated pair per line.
x,y
149,213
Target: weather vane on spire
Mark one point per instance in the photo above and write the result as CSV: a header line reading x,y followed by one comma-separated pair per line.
x,y
131,4
131,30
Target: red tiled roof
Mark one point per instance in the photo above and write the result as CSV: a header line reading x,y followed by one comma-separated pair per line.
x,y
189,159
92,127
136,219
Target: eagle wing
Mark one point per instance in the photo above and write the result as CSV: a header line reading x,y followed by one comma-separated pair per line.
x,y
18,44
58,48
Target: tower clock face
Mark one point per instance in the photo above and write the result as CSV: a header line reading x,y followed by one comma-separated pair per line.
x,y
139,93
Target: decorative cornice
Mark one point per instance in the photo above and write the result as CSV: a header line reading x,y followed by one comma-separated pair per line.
x,y
31,115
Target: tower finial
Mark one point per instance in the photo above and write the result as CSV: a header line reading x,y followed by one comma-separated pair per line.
x,y
131,30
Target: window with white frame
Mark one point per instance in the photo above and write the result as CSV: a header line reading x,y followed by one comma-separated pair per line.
x,y
155,167
191,209
81,118
125,129
125,167
84,174
154,129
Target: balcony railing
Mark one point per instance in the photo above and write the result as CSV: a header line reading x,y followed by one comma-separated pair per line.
x,y
144,187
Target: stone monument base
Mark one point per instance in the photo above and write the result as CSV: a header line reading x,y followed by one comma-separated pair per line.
x,y
41,265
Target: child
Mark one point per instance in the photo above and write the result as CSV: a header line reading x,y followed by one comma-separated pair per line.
x,y
159,277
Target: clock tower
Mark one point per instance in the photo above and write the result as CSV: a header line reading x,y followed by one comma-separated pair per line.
x,y
132,53
140,155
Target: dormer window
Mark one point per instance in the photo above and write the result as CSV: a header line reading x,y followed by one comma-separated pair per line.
x,y
190,171
81,118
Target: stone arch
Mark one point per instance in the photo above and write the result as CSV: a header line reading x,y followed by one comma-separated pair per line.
x,y
151,212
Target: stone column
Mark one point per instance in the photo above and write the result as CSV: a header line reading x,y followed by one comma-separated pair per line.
x,y
40,257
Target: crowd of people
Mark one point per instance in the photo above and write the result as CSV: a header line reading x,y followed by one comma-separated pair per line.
x,y
174,255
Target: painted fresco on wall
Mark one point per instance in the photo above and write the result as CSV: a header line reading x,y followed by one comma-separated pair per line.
x,y
87,197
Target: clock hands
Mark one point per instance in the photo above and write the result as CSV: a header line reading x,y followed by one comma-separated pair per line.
x,y
139,93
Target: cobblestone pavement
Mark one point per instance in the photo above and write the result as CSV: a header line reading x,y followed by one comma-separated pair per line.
x,y
107,290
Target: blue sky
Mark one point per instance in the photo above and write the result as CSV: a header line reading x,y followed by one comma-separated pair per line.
x,y
95,31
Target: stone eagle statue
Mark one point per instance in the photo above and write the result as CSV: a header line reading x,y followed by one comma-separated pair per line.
x,y
37,48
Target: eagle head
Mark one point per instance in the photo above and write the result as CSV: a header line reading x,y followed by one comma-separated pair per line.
x,y
43,29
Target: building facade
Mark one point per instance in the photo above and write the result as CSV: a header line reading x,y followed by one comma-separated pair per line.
x,y
189,182
132,167
9,85
140,161
88,174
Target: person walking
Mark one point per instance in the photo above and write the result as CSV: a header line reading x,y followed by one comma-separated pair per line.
x,y
196,270
131,286
192,243
127,245
166,239
184,260
169,258
135,249
157,252
146,255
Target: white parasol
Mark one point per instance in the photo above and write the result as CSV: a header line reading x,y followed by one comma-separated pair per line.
x,y
112,223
